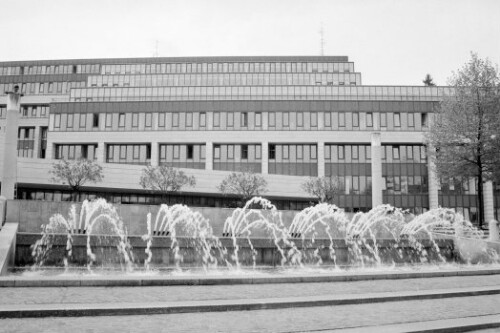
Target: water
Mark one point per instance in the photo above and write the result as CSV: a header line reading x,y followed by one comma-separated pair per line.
x,y
181,240
102,227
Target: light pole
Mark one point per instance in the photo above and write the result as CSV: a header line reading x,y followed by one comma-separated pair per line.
x,y
10,144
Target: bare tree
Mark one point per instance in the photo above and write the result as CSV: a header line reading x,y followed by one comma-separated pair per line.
x,y
324,189
76,173
466,129
429,81
244,184
165,179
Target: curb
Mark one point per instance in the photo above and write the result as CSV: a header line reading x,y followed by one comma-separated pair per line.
x,y
106,309
454,325
143,281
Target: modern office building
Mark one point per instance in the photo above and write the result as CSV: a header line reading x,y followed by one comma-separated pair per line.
x,y
287,118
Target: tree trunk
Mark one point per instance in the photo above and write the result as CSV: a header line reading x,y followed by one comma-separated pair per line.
x,y
480,199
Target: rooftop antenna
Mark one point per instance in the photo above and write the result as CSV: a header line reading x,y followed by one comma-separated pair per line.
x,y
322,40
156,49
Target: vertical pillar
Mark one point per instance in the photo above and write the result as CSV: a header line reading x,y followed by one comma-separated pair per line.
x,y
155,154
101,152
488,202
265,157
376,148
433,182
321,159
209,156
9,174
321,120
36,145
265,120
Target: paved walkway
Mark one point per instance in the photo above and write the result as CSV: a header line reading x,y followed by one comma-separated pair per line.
x,y
193,293
309,319
313,319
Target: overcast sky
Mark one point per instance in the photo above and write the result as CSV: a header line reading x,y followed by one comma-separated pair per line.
x,y
392,42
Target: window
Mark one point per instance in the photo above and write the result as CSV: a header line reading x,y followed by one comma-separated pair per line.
x,y
230,152
189,119
286,119
189,152
203,119
83,120
177,153
69,121
258,119
314,119
341,152
355,119
397,119
286,150
109,120
216,151
135,120
300,152
328,119
272,152
244,152
313,152
395,152
355,153
411,120
216,119
175,119
33,111
244,119
424,119
121,120
341,119
161,119
57,121
149,119
272,119
230,119
95,120
369,119
300,119
383,119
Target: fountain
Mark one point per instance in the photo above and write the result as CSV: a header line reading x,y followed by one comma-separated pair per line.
x,y
322,236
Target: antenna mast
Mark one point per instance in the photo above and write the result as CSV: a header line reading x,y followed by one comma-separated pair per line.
x,y
322,40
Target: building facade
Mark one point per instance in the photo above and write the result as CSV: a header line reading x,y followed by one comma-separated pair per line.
x,y
287,118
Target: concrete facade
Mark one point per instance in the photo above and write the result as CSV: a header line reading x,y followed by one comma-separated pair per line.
x,y
287,117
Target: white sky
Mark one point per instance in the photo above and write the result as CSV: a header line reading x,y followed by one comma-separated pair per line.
x,y
393,42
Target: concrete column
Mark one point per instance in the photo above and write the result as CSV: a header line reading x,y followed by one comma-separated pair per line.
x,y
488,202
377,185
36,146
210,120
265,157
101,152
321,120
9,175
433,182
321,159
155,154
49,153
209,156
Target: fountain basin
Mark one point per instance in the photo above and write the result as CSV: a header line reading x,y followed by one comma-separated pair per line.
x,y
266,252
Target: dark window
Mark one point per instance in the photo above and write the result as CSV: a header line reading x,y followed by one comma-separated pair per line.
x,y
95,120
244,119
424,119
272,152
189,151
244,152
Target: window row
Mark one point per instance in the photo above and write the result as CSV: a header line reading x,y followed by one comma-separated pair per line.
x,y
299,153
42,88
260,93
278,120
347,153
236,152
49,69
128,153
229,67
34,111
240,79
405,185
404,153
74,152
